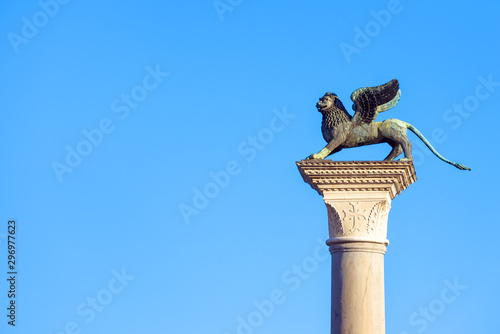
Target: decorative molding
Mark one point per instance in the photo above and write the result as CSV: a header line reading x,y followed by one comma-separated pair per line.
x,y
387,176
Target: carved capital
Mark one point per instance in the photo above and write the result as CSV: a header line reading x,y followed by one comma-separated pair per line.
x,y
365,219
357,195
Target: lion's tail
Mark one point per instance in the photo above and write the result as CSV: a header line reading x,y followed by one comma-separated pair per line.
x,y
433,150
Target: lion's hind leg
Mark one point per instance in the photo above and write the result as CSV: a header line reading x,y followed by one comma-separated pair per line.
x,y
395,131
397,149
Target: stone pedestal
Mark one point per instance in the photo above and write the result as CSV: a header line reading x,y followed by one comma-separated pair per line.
x,y
358,198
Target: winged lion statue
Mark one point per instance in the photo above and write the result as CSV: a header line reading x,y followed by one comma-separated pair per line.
x,y
341,130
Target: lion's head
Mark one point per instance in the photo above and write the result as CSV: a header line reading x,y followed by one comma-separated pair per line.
x,y
329,102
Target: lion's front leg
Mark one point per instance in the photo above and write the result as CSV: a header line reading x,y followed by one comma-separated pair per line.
x,y
332,147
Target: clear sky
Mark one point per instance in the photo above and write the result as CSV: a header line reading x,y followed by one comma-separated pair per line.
x,y
148,157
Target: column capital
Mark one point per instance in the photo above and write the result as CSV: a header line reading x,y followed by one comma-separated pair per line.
x,y
358,196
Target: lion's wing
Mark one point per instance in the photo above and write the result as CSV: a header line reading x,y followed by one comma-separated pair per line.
x,y
369,101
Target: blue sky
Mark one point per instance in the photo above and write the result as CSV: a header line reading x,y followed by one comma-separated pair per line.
x,y
118,115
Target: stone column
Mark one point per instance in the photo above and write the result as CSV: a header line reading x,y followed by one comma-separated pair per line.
x,y
358,198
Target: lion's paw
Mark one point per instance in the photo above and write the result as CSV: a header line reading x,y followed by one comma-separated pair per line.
x,y
313,156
